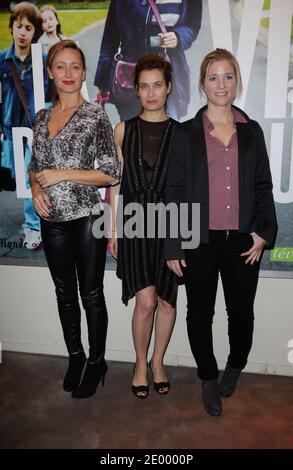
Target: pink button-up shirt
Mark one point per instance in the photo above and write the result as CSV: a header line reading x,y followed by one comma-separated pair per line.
x,y
223,177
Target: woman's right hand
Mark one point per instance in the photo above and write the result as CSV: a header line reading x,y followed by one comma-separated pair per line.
x,y
102,96
175,266
113,246
168,40
41,202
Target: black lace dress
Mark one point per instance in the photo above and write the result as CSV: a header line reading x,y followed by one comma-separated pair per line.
x,y
141,260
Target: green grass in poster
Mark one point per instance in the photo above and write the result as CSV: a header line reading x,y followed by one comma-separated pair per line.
x,y
77,5
71,21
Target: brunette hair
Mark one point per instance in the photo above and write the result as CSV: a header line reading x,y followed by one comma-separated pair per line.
x,y
151,62
32,13
59,47
216,56
53,10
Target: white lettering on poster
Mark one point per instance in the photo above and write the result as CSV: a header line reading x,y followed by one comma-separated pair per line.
x,y
278,59
276,87
38,78
277,137
18,134
222,34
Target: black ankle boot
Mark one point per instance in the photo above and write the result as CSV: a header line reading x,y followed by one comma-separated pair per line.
x,y
229,381
211,398
92,376
73,375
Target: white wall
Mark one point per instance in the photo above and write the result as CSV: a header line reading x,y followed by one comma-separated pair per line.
x,y
29,321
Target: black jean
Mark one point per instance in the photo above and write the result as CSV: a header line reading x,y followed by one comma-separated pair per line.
x,y
239,280
75,258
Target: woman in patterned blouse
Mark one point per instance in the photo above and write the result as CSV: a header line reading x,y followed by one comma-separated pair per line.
x,y
73,154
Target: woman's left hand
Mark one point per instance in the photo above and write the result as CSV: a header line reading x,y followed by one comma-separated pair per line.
x,y
113,245
48,178
254,253
168,40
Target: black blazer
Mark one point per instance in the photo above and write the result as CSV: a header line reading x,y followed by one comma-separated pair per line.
x,y
188,180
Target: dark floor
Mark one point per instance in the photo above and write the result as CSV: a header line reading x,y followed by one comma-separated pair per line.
x,y
36,413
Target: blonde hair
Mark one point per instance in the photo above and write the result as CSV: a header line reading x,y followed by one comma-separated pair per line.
x,y
215,56
59,47
53,10
53,51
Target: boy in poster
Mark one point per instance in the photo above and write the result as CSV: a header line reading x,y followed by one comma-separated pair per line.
x,y
25,25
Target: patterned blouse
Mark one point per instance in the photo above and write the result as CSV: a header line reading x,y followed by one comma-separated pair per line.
x,y
85,142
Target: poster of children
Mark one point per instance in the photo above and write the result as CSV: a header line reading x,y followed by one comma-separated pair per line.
x,y
258,32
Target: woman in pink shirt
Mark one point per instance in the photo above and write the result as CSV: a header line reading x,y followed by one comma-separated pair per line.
x,y
220,161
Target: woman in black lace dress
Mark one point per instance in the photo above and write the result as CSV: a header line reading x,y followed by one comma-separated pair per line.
x,y
143,145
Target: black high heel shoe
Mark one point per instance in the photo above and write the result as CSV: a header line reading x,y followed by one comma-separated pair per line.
x,y
137,390
94,373
74,372
160,387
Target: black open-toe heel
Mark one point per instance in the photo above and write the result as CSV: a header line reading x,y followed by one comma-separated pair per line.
x,y
137,390
160,386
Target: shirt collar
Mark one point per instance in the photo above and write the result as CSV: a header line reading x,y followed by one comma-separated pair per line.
x,y
10,54
26,61
237,117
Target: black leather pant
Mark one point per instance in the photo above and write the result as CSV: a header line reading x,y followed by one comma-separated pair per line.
x,y
75,258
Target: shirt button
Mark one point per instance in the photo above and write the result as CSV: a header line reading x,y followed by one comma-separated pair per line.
x,y
228,187
228,207
226,149
227,167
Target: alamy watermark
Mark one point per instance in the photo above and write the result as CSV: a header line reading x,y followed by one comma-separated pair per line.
x,y
152,220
